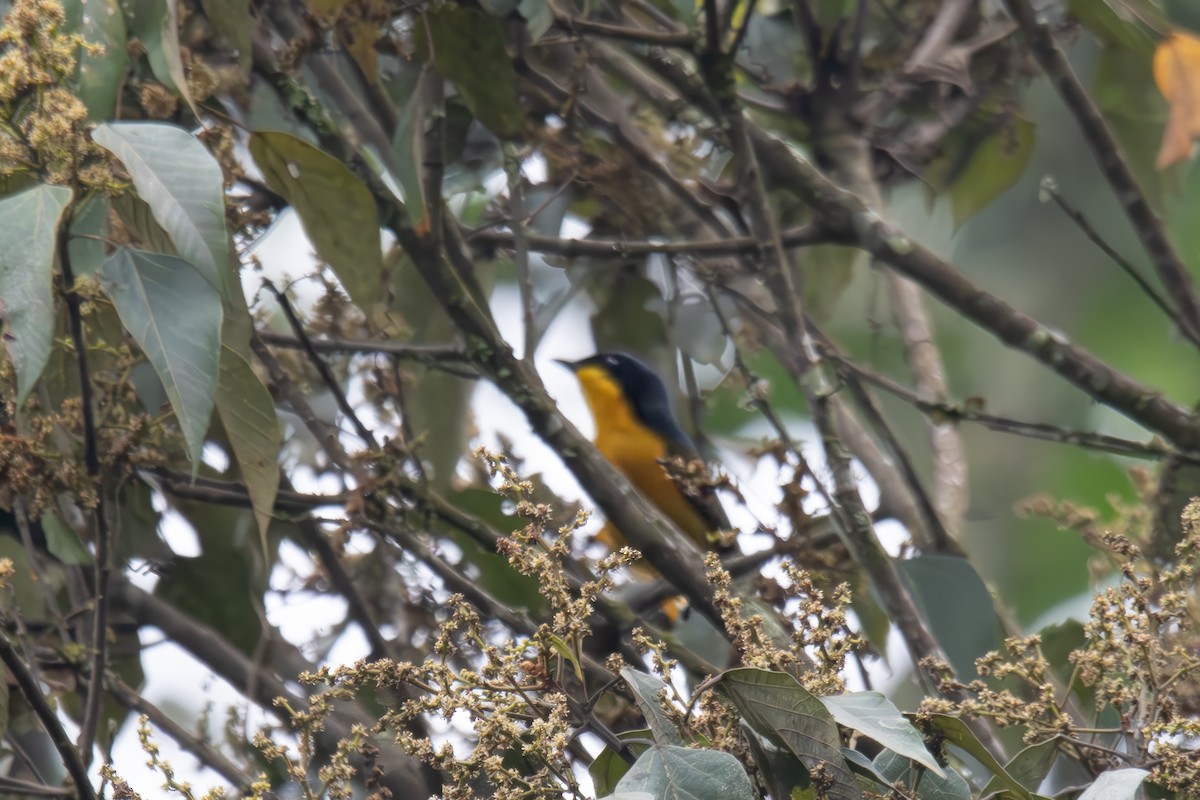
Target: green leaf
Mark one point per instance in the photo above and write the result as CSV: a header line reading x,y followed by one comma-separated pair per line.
x,y
539,17
221,587
646,690
337,211
669,772
783,773
155,23
62,542
1028,767
1116,784
231,19
469,49
775,705
174,315
181,183
607,769
98,78
949,785
863,767
560,646
956,732
827,270
967,628
408,146
248,414
1115,23
28,233
994,167
89,223
874,716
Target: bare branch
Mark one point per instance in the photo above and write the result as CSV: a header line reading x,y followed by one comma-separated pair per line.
x,y
208,755
100,565
847,215
1146,224
67,750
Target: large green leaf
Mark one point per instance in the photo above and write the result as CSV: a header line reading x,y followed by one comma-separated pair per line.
x,y
408,146
669,772
967,628
248,414
874,716
783,773
99,75
62,542
776,706
89,224
609,767
28,231
222,587
948,785
155,23
336,209
994,167
174,314
231,19
181,183
1028,767
646,690
956,732
1116,784
469,49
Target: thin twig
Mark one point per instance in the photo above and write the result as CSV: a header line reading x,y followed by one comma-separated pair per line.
x,y
960,412
1095,238
67,750
331,381
261,682
638,35
18,788
100,566
208,755
798,236
436,356
847,215
516,203
1146,224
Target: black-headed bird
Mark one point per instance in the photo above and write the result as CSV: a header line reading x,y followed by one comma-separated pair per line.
x,y
637,432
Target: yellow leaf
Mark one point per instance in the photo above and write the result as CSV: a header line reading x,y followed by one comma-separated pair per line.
x,y
1177,74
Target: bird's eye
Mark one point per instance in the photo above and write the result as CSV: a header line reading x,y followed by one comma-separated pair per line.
x,y
610,360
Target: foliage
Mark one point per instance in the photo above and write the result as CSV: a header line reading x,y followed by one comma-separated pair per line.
x,y
479,183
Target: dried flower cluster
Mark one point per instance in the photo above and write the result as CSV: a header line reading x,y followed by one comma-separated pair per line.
x,y
812,639
44,132
1140,661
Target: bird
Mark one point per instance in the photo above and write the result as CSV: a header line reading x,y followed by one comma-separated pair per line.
x,y
636,431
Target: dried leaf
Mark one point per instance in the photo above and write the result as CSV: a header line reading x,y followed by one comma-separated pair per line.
x,y
1177,74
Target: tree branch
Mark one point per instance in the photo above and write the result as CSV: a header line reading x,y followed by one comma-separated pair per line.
x,y
261,684
67,750
101,567
208,755
1146,224
798,236
847,215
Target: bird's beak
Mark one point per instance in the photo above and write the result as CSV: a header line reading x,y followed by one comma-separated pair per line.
x,y
568,364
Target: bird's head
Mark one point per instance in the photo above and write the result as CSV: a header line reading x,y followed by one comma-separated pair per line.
x,y
611,378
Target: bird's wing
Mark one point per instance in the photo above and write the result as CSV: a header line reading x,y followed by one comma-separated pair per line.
x,y
694,478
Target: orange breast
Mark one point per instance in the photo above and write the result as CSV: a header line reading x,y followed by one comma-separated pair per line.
x,y
636,453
